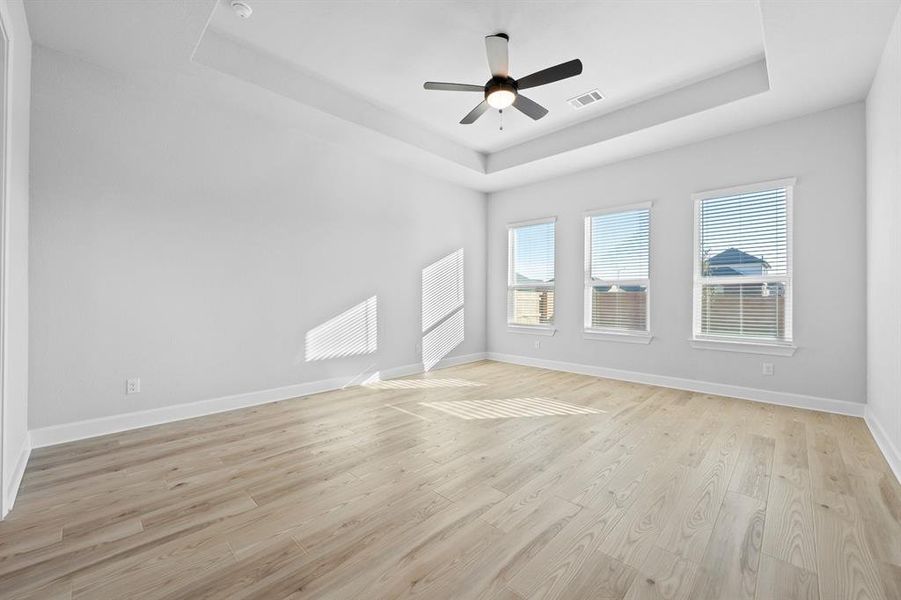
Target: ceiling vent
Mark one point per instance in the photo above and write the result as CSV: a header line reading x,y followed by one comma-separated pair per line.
x,y
583,100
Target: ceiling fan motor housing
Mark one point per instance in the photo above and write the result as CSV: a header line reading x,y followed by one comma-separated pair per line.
x,y
500,92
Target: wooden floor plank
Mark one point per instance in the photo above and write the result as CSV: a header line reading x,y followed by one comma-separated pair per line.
x,y
789,534
729,567
752,475
663,576
779,580
845,567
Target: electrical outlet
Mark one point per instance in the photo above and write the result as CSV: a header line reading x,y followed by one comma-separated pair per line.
x,y
767,368
133,385
537,343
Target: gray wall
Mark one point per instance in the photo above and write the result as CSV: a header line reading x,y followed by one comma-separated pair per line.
x,y
15,237
825,151
884,243
194,246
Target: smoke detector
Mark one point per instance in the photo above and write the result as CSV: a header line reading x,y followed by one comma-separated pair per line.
x,y
583,100
242,9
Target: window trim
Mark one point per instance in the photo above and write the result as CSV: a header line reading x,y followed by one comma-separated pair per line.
x,y
528,222
539,329
607,333
784,347
744,345
547,330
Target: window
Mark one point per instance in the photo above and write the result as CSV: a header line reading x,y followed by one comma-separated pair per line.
x,y
742,264
617,244
530,279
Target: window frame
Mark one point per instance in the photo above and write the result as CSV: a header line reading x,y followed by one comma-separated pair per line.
x,y
513,327
783,347
588,283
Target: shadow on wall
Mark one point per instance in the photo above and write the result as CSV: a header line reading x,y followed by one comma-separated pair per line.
x,y
442,308
353,332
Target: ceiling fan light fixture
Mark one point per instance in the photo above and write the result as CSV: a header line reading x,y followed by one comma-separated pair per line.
x,y
501,99
502,91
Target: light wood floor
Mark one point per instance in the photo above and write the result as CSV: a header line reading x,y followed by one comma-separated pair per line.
x,y
481,481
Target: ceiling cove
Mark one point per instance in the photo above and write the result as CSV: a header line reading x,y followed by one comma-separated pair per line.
x,y
352,72
227,47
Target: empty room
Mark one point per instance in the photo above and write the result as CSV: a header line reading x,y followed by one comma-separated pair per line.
x,y
446,299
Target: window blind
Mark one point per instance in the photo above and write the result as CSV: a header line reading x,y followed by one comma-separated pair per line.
x,y
530,281
743,265
617,270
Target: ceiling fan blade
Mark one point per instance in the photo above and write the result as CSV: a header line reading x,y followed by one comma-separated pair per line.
x,y
530,108
453,87
551,74
498,59
475,113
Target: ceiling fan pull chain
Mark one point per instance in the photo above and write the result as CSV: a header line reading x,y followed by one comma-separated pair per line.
x,y
501,111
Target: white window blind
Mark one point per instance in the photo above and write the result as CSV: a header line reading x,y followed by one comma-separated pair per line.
x,y
617,247
530,280
743,279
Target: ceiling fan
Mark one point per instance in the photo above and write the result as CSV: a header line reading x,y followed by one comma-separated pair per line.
x,y
502,90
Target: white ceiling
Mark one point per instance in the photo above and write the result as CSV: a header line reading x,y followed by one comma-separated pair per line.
x,y
351,72
384,51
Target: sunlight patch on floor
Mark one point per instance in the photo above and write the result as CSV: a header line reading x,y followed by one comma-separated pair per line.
x,y
509,408
419,384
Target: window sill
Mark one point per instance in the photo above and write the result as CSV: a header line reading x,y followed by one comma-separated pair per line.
x,y
611,336
774,349
532,329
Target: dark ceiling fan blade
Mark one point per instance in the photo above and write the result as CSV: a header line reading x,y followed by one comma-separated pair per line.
x,y
498,59
475,113
453,87
530,108
551,74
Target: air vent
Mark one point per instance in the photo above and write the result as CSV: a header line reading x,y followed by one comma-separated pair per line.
x,y
583,100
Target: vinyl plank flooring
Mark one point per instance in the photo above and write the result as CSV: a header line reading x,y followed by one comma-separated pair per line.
x,y
846,569
728,570
555,569
372,492
789,534
663,576
779,580
687,529
752,475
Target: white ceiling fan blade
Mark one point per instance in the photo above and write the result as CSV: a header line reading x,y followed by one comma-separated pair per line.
x,y
475,113
529,107
498,60
453,87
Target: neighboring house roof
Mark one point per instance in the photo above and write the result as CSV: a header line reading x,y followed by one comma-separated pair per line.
x,y
734,256
722,272
622,288
523,280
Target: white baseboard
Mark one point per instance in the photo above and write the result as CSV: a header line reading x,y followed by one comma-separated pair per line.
x,y
415,369
70,432
889,450
842,407
11,487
